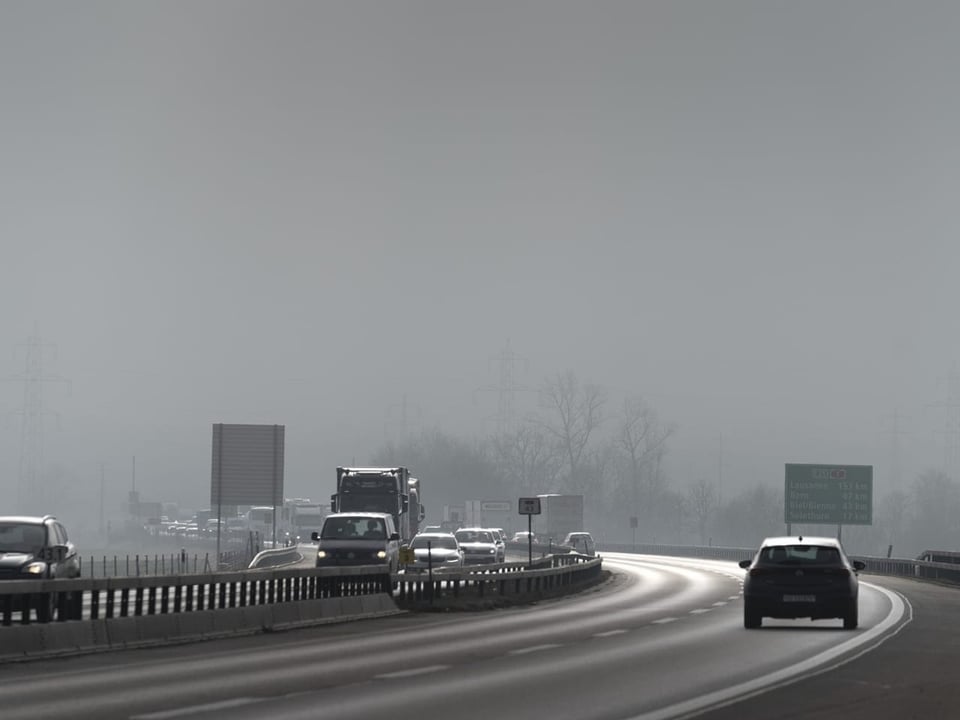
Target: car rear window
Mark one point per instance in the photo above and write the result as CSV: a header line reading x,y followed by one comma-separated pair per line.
x,y
799,555
442,542
467,536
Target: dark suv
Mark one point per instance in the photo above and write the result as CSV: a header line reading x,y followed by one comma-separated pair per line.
x,y
36,548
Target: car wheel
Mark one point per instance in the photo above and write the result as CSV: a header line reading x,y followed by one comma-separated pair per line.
x,y
751,618
851,619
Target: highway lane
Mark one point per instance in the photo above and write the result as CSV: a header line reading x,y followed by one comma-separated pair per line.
x,y
661,632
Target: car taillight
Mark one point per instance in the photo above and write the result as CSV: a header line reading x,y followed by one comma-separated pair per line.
x,y
757,571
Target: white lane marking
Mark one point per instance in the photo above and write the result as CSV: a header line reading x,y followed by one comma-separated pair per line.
x,y
662,621
700,611
221,705
816,665
721,603
608,633
733,597
412,672
535,648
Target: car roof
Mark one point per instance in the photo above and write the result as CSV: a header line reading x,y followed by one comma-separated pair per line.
x,y
26,519
800,540
436,534
359,514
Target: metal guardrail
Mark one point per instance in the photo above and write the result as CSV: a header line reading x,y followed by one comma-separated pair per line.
x,y
276,557
107,598
553,574
897,567
90,599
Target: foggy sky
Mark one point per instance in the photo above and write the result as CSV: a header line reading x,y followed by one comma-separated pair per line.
x,y
300,212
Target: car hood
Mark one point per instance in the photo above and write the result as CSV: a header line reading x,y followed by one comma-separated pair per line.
x,y
14,559
422,553
353,544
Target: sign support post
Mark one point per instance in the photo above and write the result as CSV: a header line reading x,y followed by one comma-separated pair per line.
x,y
530,507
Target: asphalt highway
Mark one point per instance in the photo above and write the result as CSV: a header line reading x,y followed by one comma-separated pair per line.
x,y
663,638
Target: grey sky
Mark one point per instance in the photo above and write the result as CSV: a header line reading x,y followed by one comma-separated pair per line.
x,y
298,212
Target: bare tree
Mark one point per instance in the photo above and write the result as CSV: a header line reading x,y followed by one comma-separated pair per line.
x,y
641,441
702,497
527,459
578,412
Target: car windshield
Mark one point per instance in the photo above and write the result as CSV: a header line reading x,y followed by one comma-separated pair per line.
x,y
354,528
442,542
21,537
474,536
799,555
359,502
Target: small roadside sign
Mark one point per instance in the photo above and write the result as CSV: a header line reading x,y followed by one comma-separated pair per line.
x,y
530,506
407,555
56,553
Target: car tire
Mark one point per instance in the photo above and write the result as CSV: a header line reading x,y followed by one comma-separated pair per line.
x,y
751,618
851,619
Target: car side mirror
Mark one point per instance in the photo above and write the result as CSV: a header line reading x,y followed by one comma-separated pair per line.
x,y
744,563
315,536
394,536
859,565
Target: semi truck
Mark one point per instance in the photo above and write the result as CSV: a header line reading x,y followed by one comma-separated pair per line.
x,y
490,514
301,518
559,515
387,490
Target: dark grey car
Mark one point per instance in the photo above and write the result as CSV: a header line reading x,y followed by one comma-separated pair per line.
x,y
36,548
801,577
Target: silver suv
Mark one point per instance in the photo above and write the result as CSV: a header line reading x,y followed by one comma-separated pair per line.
x,y
358,538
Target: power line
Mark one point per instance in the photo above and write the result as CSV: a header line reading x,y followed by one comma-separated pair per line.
x,y
506,388
31,495
951,431
400,420
895,434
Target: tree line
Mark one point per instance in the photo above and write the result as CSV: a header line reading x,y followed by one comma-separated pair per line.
x,y
580,441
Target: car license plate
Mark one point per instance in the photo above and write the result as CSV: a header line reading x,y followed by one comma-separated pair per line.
x,y
799,598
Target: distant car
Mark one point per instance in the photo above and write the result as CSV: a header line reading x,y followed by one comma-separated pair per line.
x,y
581,542
801,577
37,547
478,546
523,536
501,543
439,550
433,529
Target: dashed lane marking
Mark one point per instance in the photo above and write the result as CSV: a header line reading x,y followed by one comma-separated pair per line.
x,y
535,648
411,672
179,712
608,633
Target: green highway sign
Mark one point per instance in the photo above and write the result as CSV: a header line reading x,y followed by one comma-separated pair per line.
x,y
828,494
